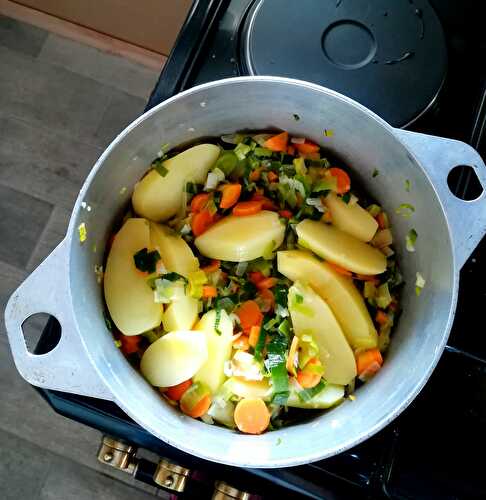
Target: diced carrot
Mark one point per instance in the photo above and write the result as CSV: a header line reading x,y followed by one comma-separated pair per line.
x,y
201,221
130,343
198,202
267,203
291,150
266,283
252,416
342,178
367,358
381,219
364,277
199,408
211,268
340,270
256,276
268,299
250,315
381,317
244,208
254,335
307,147
286,213
241,343
306,378
255,175
209,291
176,391
278,142
272,176
231,194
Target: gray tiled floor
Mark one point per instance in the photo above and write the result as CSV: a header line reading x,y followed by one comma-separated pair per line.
x,y
60,104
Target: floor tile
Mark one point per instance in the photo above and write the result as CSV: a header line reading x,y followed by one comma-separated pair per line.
x,y
50,96
21,37
43,163
10,279
21,224
24,468
122,110
109,69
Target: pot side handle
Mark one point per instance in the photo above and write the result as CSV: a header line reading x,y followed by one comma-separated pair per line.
x,y
67,366
438,156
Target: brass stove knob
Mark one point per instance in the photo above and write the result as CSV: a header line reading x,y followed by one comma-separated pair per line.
x,y
118,454
171,476
224,491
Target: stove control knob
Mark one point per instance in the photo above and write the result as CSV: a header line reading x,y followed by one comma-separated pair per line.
x,y
171,476
118,454
224,491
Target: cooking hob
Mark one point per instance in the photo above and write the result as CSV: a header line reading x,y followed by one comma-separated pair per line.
x,y
419,65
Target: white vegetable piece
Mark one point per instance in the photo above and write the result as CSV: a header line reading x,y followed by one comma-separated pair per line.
x,y
174,358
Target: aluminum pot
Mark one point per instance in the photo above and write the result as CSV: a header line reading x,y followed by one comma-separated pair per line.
x,y
86,360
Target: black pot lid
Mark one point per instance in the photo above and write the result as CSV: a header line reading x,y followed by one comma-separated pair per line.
x,y
388,55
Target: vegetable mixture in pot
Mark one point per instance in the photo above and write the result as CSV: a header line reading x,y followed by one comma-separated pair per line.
x,y
251,282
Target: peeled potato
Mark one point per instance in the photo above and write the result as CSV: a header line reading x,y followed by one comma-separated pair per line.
x,y
250,388
128,296
176,254
159,198
331,395
318,320
352,219
174,358
340,248
182,312
338,291
219,348
239,239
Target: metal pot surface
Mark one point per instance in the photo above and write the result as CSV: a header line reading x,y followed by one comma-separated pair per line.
x,y
87,362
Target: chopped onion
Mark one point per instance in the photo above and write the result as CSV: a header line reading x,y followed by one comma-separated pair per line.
x,y
297,140
207,419
232,138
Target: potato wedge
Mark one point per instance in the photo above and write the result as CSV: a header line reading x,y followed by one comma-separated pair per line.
x,y
128,296
318,320
219,348
352,219
331,395
174,358
176,254
158,198
250,388
338,291
340,248
182,312
239,239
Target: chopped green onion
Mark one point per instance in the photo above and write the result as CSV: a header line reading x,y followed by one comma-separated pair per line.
x,y
307,394
419,284
280,293
159,168
241,150
118,343
262,152
146,261
370,290
383,297
374,209
406,210
299,164
276,364
83,233
410,240
328,184
217,321
296,117
107,321
408,185
227,162
194,394
328,132
285,328
346,197
258,354
233,138
375,173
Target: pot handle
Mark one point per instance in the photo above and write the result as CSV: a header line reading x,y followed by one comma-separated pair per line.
x,y
67,367
438,156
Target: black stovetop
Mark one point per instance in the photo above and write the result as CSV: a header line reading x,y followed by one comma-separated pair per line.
x,y
432,450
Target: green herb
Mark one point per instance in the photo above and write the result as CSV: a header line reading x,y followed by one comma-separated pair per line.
x,y
410,240
146,261
375,173
406,210
217,321
408,185
296,117
241,150
159,168
275,364
307,394
419,284
346,197
262,152
227,162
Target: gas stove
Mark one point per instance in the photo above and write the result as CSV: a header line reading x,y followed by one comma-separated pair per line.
x,y
419,65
